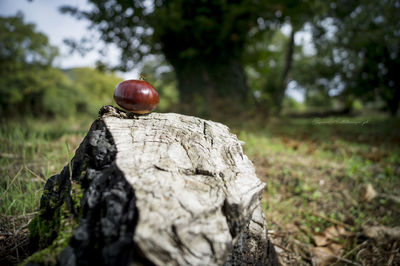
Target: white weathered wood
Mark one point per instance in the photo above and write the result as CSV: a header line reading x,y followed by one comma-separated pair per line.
x,y
187,173
158,189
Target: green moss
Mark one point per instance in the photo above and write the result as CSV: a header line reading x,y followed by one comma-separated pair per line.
x,y
76,196
51,236
43,231
48,256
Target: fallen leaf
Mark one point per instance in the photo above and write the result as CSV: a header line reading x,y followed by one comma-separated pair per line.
x,y
368,193
291,228
322,256
336,249
343,232
320,239
332,233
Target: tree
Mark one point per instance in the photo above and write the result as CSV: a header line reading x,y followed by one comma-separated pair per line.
x,y
203,40
264,61
278,50
296,14
30,85
363,37
25,56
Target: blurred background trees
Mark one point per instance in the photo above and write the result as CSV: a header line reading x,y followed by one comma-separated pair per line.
x,y
215,55
364,42
31,86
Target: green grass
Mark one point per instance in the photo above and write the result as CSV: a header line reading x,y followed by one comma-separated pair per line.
x,y
30,152
315,171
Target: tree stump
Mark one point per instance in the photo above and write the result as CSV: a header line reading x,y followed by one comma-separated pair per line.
x,y
158,189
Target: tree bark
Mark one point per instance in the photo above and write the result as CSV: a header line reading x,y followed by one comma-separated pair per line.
x,y
159,189
213,81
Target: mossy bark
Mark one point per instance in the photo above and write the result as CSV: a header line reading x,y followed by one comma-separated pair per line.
x,y
93,205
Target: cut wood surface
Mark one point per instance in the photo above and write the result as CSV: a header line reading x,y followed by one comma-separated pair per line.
x,y
162,189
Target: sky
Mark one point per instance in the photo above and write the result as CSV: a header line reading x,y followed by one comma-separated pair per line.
x,y
45,15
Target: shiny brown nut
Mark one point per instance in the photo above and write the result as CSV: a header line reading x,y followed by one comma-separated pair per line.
x,y
136,96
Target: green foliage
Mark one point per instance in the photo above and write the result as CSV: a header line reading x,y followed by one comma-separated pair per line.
x,y
26,56
93,88
362,39
22,45
30,86
264,62
202,40
31,150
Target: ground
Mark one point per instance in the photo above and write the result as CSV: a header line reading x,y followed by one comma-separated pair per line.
x,y
330,181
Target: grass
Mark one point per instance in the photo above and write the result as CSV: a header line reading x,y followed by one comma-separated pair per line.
x,y
30,152
316,171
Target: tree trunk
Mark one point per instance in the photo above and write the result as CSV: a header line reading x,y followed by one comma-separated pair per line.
x,y
213,81
158,189
286,71
394,102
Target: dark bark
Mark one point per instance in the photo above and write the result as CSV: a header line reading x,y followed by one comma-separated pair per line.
x,y
394,102
391,96
105,217
211,80
286,71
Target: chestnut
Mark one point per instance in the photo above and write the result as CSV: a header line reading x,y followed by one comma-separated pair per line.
x,y
136,96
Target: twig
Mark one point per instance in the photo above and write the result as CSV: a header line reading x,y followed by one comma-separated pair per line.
x,y
12,181
277,234
282,247
334,256
390,261
20,216
10,247
9,155
23,227
394,198
355,249
34,174
343,259
69,162
16,246
332,220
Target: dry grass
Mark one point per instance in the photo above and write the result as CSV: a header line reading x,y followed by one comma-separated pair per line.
x,y
315,199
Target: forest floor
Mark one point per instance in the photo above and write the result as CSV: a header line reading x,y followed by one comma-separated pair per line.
x,y
332,195
333,188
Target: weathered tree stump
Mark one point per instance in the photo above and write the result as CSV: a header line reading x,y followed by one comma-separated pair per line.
x,y
159,189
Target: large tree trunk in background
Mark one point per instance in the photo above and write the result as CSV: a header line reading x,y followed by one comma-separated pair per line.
x,y
286,71
159,189
218,81
393,102
392,97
